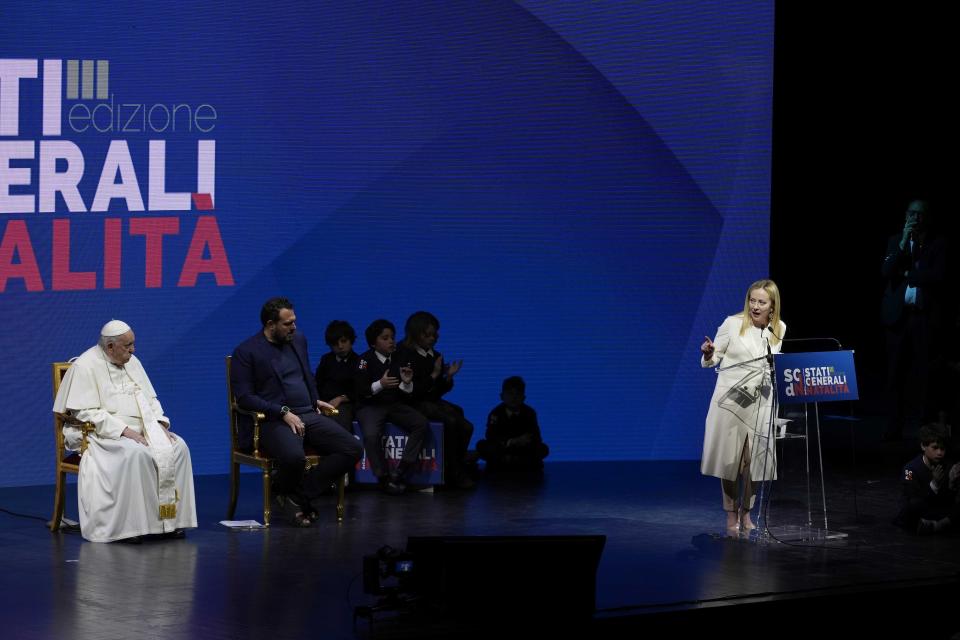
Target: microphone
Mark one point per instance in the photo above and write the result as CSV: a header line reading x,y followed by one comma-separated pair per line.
x,y
769,328
767,342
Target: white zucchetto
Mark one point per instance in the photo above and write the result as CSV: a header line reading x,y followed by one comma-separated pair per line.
x,y
114,328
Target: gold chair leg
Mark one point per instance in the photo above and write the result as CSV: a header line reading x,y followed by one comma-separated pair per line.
x,y
234,489
58,499
340,507
266,497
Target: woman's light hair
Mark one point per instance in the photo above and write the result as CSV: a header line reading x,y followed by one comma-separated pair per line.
x,y
771,288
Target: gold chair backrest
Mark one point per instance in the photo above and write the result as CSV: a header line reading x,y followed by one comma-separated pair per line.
x,y
232,413
58,370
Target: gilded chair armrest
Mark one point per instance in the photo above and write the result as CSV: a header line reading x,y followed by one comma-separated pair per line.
x,y
257,417
85,428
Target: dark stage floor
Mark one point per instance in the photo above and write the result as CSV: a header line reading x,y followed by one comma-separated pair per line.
x,y
665,560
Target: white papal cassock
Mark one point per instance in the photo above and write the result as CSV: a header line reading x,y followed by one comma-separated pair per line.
x,y
125,489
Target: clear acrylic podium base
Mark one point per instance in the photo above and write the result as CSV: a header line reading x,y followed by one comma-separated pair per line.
x,y
796,533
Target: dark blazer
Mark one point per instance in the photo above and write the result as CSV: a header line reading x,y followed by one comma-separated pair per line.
x,y
424,385
501,426
369,370
257,385
925,270
335,378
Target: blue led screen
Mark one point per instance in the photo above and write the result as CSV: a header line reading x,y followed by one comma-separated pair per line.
x,y
579,191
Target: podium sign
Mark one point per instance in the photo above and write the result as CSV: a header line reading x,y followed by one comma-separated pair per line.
x,y
817,376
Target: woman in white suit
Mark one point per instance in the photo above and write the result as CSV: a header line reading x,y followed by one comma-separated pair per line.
x,y
737,447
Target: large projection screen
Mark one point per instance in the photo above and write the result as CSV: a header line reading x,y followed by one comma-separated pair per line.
x,y
578,190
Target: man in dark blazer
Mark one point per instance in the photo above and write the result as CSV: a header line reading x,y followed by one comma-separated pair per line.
x,y
914,272
270,373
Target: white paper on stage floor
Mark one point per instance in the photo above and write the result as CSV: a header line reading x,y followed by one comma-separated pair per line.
x,y
242,524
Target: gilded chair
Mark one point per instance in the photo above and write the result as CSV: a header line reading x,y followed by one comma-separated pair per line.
x,y
255,458
65,461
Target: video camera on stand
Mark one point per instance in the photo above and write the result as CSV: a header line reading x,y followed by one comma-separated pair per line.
x,y
389,572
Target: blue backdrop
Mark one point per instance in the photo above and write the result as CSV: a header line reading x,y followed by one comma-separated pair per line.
x,y
579,191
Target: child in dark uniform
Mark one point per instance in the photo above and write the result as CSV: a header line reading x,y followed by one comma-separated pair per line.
x,y
929,503
513,441
383,392
336,372
432,378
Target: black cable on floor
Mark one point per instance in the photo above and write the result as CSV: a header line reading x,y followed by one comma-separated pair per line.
x,y
23,515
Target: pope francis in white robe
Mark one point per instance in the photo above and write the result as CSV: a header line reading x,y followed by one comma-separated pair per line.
x,y
135,476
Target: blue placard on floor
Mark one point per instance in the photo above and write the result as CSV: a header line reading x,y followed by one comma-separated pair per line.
x,y
429,466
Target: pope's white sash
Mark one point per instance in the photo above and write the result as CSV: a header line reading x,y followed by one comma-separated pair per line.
x,y
163,455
